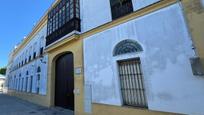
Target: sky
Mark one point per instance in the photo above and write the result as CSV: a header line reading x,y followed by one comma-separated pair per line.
x,y
17,18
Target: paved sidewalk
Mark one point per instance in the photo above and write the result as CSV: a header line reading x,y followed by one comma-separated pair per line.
x,y
14,106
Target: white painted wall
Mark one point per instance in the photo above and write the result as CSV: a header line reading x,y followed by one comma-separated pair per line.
x,y
99,12
95,14
169,82
36,43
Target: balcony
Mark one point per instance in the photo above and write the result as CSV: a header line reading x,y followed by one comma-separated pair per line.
x,y
62,19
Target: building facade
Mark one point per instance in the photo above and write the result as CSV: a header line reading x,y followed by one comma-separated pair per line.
x,y
114,57
27,68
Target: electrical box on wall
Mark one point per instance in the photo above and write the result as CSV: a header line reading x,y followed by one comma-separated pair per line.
x,y
196,66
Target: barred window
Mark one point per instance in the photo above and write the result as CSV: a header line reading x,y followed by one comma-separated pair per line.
x,y
131,82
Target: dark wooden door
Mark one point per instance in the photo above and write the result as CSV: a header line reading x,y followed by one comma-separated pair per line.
x,y
64,82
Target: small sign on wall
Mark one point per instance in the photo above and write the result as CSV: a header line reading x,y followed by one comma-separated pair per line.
x,y
78,71
76,91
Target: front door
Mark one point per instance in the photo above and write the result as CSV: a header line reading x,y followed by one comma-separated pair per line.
x,y
64,82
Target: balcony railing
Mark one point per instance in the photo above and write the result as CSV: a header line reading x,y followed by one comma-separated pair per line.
x,y
72,25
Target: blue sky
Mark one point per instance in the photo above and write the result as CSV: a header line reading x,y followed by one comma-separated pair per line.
x,y
17,18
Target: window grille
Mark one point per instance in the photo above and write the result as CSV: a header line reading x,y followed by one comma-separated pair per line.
x,y
127,46
131,82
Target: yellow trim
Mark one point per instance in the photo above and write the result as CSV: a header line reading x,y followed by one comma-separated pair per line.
x,y
60,43
136,14
101,28
39,26
74,46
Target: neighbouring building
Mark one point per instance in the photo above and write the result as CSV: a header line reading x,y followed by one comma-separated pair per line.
x,y
2,82
27,67
99,57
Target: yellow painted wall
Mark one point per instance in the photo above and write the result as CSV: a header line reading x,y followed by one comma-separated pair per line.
x,y
194,13
74,46
31,97
99,109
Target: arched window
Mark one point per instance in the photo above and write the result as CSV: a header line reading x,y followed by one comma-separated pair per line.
x,y
127,46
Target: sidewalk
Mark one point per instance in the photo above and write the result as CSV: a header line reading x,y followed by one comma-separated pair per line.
x,y
14,106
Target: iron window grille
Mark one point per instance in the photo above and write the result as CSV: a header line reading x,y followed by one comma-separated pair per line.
x,y
127,46
120,8
131,82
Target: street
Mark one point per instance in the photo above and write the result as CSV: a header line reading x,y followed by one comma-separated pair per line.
x,y
14,106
